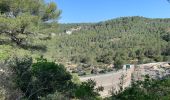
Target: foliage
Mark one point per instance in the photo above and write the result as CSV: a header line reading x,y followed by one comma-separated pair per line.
x,y
52,74
128,39
8,89
40,78
87,90
166,37
119,60
49,81
4,52
105,58
55,96
75,79
19,19
148,89
2,94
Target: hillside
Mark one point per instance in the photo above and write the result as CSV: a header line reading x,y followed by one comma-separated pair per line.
x,y
121,40
133,37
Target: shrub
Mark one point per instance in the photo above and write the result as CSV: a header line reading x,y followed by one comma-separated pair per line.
x,y
40,78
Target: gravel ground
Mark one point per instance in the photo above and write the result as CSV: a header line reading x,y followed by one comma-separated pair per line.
x,y
113,80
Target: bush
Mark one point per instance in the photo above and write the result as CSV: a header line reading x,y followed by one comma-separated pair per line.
x,y
149,89
8,89
2,94
55,96
40,78
87,91
158,58
118,63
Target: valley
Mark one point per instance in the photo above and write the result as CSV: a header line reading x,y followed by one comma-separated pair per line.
x,y
85,50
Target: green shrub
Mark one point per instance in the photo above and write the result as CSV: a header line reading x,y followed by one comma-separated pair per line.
x,y
40,78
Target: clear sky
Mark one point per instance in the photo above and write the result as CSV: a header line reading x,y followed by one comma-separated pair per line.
x,y
75,11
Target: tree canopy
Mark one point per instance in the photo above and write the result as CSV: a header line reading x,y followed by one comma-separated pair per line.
x,y
40,78
19,18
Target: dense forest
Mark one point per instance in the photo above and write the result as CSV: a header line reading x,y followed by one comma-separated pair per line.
x,y
124,40
127,38
133,40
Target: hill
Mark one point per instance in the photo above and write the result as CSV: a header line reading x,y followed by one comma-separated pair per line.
x,y
134,37
116,41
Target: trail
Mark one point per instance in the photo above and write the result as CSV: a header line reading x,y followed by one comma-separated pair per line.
x,y
112,79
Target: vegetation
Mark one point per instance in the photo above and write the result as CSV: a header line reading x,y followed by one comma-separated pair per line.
x,y
122,40
87,91
40,78
117,41
43,80
20,19
29,27
145,90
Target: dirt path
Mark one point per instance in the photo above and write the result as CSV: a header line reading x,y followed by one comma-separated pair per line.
x,y
111,80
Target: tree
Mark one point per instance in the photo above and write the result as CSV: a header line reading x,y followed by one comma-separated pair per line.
x,y
106,58
118,63
14,8
52,74
20,18
40,78
87,90
166,37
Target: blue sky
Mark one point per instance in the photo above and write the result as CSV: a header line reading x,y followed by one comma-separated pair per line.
x,y
75,11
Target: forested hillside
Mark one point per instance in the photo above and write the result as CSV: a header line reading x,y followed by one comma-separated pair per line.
x,y
117,41
126,39
41,59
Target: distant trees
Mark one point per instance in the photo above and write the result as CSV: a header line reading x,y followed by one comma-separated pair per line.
x,y
118,63
166,37
81,59
139,40
166,50
106,58
120,59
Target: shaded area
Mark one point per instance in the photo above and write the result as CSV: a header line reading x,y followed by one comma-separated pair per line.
x,y
25,46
